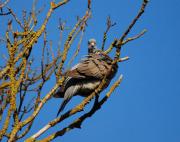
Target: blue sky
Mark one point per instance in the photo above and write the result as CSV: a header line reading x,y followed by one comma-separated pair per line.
x,y
145,107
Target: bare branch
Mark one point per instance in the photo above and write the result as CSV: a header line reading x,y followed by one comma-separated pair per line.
x,y
77,50
23,77
123,59
120,41
15,17
109,26
135,37
4,4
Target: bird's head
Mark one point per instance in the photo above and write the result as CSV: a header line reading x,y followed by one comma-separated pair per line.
x,y
91,45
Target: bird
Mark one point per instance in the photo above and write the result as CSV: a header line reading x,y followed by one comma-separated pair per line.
x,y
83,78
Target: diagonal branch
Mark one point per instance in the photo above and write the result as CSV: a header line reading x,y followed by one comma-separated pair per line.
x,y
135,37
4,4
78,122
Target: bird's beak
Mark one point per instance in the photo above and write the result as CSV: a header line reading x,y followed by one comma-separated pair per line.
x,y
92,45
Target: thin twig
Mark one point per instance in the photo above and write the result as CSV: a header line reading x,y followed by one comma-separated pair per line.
x,y
4,4
135,37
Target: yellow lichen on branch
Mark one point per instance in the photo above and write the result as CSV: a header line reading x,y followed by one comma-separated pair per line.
x,y
20,80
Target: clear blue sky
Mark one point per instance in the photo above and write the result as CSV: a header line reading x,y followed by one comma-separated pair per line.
x,y
146,106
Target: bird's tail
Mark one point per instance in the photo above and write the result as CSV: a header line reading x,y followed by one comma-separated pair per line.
x,y
64,103
70,92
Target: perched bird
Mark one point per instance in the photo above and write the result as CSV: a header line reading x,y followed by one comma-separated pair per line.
x,y
86,76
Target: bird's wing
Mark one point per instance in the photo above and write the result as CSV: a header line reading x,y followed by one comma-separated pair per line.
x,y
93,66
90,67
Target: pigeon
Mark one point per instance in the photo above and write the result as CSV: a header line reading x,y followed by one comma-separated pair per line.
x,y
83,78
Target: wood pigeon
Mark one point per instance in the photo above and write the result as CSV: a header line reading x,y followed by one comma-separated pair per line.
x,y
86,76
